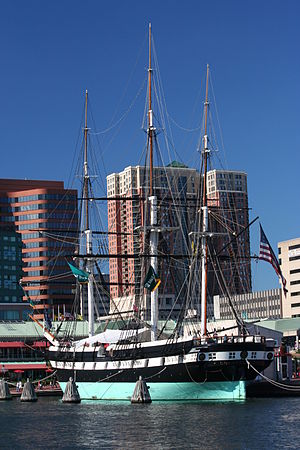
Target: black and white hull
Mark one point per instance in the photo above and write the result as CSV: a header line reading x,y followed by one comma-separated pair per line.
x,y
188,369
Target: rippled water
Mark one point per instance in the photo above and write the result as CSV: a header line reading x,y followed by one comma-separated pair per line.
x,y
49,424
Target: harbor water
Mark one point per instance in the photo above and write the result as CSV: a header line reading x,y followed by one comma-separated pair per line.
x,y
271,423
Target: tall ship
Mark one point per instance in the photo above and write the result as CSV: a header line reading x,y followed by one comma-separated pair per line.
x,y
188,362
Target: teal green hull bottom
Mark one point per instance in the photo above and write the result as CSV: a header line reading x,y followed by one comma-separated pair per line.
x,y
227,390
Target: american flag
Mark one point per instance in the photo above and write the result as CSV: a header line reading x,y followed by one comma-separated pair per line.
x,y
266,253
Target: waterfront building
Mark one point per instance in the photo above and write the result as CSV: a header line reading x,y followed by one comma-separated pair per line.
x,y
250,306
227,190
124,216
23,345
12,306
289,260
44,214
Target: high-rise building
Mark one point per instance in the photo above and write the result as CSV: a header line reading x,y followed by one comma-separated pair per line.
x,y
289,260
175,184
227,191
228,204
44,214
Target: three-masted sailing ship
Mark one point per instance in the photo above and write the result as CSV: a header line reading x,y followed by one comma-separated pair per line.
x,y
177,366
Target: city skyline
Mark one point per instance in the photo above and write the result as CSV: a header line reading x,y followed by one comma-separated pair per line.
x,y
51,53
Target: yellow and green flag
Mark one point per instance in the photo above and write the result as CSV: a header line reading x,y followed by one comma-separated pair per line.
x,y
151,281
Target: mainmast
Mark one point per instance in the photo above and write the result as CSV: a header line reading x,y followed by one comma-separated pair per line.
x,y
153,204
205,153
87,231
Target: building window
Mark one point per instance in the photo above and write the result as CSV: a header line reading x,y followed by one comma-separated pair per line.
x,y
294,258
294,271
292,247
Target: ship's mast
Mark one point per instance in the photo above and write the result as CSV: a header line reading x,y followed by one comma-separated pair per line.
x,y
153,204
87,230
205,153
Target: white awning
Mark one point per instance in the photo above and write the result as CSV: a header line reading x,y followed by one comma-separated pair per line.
x,y
108,337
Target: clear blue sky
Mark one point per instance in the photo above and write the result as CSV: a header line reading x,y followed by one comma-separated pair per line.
x,y
50,52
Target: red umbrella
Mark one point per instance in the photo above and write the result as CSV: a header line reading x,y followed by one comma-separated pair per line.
x,y
19,371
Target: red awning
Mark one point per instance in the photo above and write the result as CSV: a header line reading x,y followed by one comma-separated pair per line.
x,y
24,366
17,344
40,344
14,344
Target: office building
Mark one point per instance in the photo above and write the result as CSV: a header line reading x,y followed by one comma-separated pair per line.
x,y
289,260
12,306
44,214
250,306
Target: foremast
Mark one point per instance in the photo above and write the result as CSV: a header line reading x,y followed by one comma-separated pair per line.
x,y
153,203
87,230
205,153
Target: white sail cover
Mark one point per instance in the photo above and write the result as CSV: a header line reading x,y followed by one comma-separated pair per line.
x,y
108,337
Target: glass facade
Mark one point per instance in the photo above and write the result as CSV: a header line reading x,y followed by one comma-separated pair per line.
x,y
42,217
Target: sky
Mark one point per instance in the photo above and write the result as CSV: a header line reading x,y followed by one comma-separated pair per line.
x,y
51,52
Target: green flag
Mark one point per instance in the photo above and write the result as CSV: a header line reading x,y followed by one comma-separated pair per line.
x,y
82,277
151,281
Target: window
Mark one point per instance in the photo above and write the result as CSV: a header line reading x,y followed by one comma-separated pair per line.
x,y
294,258
292,247
294,271
9,315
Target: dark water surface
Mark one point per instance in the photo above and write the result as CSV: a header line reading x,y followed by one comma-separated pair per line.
x,y
49,424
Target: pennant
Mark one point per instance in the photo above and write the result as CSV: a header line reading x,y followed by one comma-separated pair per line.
x,y
82,277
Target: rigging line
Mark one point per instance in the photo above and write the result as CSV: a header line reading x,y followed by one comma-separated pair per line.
x,y
237,235
123,115
194,381
221,222
218,272
179,217
130,76
218,119
172,309
110,376
275,383
76,150
45,378
155,375
189,130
